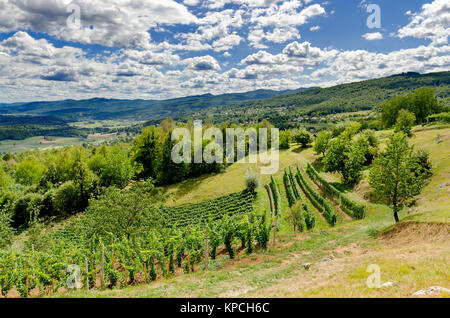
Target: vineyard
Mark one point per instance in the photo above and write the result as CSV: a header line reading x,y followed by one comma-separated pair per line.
x,y
232,204
320,202
196,233
357,211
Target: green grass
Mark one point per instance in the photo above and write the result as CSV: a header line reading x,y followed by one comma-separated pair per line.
x,y
279,272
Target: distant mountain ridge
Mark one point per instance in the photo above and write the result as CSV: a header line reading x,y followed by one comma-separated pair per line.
x,y
138,109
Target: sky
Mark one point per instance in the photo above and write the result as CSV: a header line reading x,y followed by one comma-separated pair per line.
x,y
160,49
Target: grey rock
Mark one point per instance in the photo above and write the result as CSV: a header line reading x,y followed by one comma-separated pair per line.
x,y
431,290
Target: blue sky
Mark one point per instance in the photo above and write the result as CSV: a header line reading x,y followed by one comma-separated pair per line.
x,y
60,49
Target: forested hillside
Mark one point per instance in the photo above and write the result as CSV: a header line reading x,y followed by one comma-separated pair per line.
x,y
365,95
102,108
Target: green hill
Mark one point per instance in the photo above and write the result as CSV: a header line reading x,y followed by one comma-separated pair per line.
x,y
358,96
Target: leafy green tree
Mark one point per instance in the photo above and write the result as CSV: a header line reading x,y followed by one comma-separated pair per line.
x,y
252,181
26,209
172,172
113,166
423,103
6,231
321,143
67,198
29,172
5,180
285,139
405,121
147,152
302,137
354,161
390,109
346,156
127,212
396,175
336,156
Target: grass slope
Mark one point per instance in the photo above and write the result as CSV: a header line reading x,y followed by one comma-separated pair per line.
x,y
413,255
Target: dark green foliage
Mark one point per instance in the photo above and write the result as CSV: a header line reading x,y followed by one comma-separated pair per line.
x,y
350,207
347,154
321,142
6,230
318,200
405,121
289,191
441,117
252,181
397,175
276,196
263,228
285,139
302,137
232,204
422,158
422,103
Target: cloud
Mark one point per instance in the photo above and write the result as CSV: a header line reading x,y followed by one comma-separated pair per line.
x,y
59,76
111,23
202,63
432,23
278,35
373,36
286,14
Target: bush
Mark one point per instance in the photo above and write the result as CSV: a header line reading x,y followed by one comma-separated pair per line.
x,y
6,231
302,137
252,181
289,191
67,198
276,196
405,121
26,209
285,139
297,217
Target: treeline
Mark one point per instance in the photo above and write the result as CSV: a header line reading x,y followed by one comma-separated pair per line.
x,y
420,104
60,182
365,95
20,132
31,120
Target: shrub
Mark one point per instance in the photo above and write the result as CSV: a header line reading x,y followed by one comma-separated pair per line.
x,y
67,198
6,231
252,181
405,121
289,191
302,137
276,196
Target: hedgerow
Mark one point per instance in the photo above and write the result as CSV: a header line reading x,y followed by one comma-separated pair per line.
x,y
276,196
357,211
289,191
319,201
